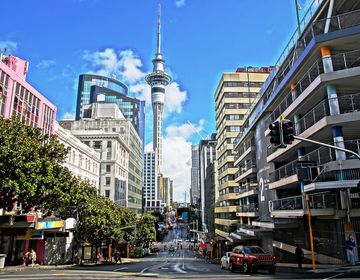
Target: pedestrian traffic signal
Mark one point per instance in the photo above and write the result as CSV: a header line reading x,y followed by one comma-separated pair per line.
x,y
287,131
276,134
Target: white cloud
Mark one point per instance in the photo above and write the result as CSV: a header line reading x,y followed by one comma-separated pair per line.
x,y
45,63
127,67
185,130
131,66
177,156
69,116
180,3
11,46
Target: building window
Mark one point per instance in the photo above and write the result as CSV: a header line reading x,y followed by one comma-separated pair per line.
x,y
108,168
109,144
107,180
97,145
107,193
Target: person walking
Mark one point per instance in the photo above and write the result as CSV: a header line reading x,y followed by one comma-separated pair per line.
x,y
350,247
33,257
26,258
299,255
118,254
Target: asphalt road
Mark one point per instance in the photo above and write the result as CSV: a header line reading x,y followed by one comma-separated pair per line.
x,y
162,265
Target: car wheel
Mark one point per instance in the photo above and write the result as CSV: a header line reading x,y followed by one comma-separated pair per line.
x,y
231,267
246,267
272,270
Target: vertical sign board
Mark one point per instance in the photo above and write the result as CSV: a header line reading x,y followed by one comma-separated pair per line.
x,y
184,216
264,169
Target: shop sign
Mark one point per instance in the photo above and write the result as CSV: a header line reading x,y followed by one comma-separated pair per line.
x,y
50,225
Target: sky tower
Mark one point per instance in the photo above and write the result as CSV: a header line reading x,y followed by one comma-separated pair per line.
x,y
158,80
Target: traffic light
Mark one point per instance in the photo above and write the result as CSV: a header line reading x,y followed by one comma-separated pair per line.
x,y
287,131
276,134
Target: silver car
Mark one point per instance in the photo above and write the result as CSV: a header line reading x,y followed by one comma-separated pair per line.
x,y
224,262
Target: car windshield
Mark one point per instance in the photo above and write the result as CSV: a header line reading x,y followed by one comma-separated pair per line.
x,y
253,250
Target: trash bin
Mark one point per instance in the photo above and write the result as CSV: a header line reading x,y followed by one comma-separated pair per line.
x,y
2,260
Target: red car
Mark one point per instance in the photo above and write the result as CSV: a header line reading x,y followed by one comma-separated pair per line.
x,y
250,259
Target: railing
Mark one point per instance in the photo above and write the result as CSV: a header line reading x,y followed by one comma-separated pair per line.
x,y
345,20
247,165
347,104
355,201
340,61
324,200
252,207
248,144
244,189
318,157
339,175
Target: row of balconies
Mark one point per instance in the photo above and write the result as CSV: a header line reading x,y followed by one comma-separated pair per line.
x,y
340,61
321,204
311,166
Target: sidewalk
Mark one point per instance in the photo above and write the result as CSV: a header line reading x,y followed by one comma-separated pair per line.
x,y
17,268
320,268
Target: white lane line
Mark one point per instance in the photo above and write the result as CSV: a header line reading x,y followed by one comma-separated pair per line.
x,y
121,268
183,266
339,274
178,269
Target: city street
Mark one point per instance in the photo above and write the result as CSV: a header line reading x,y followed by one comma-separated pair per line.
x,y
165,265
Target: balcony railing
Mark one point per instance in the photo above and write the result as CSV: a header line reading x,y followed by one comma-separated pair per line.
x,y
347,104
242,149
246,166
318,157
276,76
244,189
324,200
252,207
340,61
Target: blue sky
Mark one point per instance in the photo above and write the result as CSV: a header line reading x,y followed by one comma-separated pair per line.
x,y
201,39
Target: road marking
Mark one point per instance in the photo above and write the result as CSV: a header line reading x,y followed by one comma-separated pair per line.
x,y
334,276
121,268
183,266
178,269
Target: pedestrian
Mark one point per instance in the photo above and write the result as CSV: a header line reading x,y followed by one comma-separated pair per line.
x,y
26,258
350,247
299,255
99,257
33,257
118,254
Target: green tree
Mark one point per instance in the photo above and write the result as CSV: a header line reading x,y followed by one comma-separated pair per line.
x,y
146,231
29,164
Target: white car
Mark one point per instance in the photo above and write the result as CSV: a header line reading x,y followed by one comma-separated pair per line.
x,y
224,262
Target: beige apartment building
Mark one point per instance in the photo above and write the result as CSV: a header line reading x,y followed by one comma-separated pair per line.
x,y
234,97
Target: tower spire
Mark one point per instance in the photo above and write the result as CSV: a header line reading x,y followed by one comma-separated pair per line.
x,y
159,26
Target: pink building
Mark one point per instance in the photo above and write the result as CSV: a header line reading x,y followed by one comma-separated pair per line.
x,y
18,98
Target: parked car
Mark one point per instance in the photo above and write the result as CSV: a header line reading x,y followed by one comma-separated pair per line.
x,y
154,249
224,262
251,258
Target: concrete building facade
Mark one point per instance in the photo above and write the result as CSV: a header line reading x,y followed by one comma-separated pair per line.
x,y
195,180
81,160
120,148
19,99
208,182
315,84
235,95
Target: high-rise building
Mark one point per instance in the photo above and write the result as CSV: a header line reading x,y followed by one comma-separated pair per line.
x,y
151,189
99,89
315,84
234,97
109,133
158,80
195,181
19,99
207,184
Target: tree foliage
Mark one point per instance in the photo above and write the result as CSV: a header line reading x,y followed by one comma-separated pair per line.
x,y
146,231
31,172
